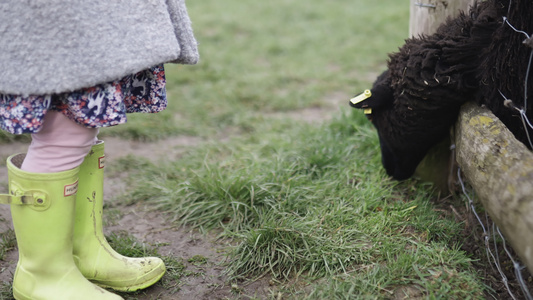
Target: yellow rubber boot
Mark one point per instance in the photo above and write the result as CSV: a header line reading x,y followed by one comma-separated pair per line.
x,y
95,258
43,218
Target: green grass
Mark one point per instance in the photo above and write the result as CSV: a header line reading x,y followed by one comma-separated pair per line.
x,y
312,203
306,203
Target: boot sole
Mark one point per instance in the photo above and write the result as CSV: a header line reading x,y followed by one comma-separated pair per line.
x,y
132,288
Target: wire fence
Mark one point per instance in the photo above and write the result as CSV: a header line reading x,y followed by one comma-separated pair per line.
x,y
494,241
508,102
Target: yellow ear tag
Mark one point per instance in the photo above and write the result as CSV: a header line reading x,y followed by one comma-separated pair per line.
x,y
361,97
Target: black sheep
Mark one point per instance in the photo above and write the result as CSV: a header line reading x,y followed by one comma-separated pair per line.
x,y
416,100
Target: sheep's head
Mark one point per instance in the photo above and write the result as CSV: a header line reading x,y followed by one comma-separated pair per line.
x,y
417,99
379,97
405,134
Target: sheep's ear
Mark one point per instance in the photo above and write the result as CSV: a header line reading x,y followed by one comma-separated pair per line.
x,y
358,100
377,98
380,96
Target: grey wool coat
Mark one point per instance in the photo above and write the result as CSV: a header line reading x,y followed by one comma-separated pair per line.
x,y
57,46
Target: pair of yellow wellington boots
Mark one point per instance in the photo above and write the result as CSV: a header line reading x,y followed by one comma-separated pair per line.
x,y
63,253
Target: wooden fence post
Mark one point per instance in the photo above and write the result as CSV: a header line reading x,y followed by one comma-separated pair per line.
x,y
425,17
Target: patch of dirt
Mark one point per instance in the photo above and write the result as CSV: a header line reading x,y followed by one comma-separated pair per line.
x,y
167,149
151,227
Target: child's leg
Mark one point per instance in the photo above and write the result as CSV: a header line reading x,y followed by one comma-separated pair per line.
x,y
61,145
44,227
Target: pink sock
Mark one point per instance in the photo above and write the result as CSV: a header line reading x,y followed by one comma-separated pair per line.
x,y
60,145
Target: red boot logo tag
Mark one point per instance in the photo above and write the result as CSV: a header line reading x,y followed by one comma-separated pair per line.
x,y
101,162
71,189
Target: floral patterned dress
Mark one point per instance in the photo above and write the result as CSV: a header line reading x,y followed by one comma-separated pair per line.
x,y
102,105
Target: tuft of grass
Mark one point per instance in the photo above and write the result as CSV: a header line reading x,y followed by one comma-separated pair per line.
x,y
198,260
8,242
126,244
291,247
6,291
